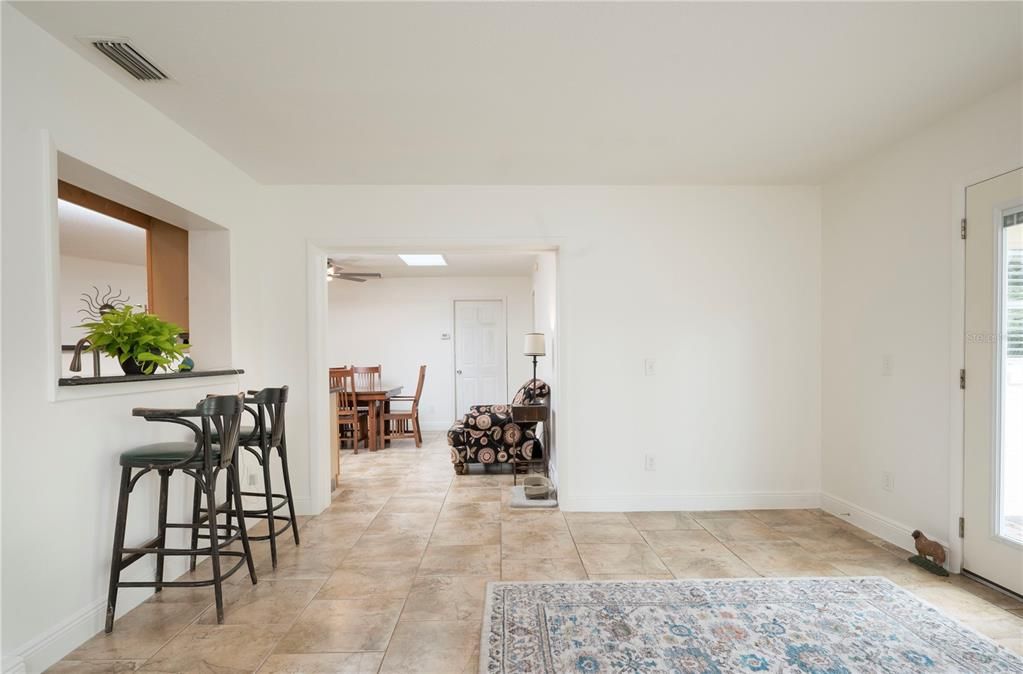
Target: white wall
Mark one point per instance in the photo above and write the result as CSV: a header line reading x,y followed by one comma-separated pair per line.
x,y
720,285
892,283
60,450
398,323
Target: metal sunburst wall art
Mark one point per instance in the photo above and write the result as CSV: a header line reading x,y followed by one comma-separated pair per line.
x,y
97,303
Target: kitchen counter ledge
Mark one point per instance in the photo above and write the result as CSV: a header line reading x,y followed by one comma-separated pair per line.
x,y
161,376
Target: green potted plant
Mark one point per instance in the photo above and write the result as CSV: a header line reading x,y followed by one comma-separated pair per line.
x,y
139,341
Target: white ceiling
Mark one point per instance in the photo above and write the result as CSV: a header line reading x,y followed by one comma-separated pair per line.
x,y
92,235
459,264
549,93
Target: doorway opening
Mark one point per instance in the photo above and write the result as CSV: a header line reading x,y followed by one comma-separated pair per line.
x,y
461,313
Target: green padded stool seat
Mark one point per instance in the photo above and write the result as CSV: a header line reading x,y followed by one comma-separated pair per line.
x,y
163,453
246,435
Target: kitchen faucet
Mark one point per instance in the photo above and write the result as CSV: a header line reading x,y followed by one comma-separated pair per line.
x,y
76,360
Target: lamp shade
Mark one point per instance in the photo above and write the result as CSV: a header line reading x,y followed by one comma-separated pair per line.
x,y
534,345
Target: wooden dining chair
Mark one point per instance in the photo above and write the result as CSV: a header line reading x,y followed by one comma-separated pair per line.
x,y
335,373
349,417
367,377
405,423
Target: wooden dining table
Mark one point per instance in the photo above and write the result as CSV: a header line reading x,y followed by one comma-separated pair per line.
x,y
375,397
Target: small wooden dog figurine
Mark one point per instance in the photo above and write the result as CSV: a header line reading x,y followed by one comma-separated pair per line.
x,y
928,548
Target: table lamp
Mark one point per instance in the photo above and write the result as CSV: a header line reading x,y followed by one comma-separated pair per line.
x,y
534,346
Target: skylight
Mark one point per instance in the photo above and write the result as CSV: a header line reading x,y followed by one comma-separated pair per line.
x,y
424,260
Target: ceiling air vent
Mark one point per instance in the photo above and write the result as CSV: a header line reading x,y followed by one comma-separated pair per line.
x,y
123,54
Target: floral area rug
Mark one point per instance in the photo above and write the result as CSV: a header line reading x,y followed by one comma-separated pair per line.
x,y
811,625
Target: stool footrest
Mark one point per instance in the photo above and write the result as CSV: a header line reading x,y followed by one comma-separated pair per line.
x,y
228,509
135,554
234,534
261,494
277,532
261,512
201,525
190,583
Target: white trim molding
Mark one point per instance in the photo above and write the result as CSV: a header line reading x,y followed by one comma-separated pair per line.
x,y
889,530
633,502
317,250
48,648
436,425
304,506
14,665
957,346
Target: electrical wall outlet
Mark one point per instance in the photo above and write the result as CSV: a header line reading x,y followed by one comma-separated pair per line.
x,y
252,479
888,481
649,463
887,368
648,367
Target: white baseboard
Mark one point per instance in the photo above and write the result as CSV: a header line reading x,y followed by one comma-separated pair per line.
x,y
304,506
681,501
435,425
884,528
14,665
48,648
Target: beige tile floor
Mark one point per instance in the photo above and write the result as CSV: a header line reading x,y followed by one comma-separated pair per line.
x,y
391,577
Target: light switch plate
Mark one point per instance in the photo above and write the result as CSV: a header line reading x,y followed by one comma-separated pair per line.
x,y
648,367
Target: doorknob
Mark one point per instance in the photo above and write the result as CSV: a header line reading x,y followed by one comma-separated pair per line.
x,y
458,372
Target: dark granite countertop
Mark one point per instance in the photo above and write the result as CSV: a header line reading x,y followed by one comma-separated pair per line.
x,y
117,379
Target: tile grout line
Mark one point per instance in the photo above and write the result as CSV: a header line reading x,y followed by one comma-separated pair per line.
x,y
277,641
415,576
194,621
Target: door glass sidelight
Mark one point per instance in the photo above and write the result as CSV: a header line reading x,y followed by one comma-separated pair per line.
x,y
1009,504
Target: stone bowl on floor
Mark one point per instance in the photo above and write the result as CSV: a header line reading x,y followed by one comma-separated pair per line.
x,y
536,487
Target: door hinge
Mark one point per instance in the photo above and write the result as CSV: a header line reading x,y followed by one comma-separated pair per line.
x,y
962,379
962,527
962,228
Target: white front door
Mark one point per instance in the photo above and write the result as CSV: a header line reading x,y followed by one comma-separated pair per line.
x,y
993,411
480,354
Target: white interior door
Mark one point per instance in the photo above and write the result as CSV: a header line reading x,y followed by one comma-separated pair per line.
x,y
481,362
993,413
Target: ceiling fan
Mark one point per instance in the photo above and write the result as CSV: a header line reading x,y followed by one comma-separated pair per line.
x,y
334,271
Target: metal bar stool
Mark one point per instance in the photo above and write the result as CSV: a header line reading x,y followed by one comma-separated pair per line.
x,y
203,461
266,407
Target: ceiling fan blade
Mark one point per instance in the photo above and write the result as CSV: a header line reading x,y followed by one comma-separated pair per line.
x,y
360,274
351,278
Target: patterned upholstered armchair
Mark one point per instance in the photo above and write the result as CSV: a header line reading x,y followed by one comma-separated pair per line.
x,y
487,433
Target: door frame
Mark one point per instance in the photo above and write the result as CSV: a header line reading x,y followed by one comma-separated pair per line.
x,y
454,342
957,354
990,559
317,363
